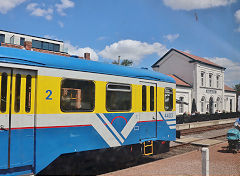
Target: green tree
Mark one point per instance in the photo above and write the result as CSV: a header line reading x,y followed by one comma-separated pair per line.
x,y
237,88
127,62
115,62
124,62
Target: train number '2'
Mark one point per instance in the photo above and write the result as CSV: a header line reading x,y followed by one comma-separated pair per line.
x,y
49,92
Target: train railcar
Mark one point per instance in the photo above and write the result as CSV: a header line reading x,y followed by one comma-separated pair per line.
x,y
51,105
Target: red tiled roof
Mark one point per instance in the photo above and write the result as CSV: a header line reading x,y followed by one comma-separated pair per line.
x,y
199,58
179,81
229,88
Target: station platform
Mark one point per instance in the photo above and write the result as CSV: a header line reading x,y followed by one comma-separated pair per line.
x,y
186,126
221,163
198,141
205,138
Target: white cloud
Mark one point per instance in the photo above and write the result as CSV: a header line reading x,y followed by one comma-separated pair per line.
x,y
237,15
238,29
37,11
232,72
102,38
50,37
75,50
187,51
132,49
6,5
64,5
196,4
171,37
61,24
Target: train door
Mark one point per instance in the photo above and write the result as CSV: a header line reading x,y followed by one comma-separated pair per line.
x,y
5,79
148,116
17,119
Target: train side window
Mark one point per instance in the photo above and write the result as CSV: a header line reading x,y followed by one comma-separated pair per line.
x,y
77,95
144,96
151,98
119,97
168,99
28,93
4,92
17,92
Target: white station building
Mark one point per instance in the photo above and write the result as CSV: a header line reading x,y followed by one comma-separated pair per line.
x,y
198,80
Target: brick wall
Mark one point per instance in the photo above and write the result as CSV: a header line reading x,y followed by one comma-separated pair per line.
x,y
12,45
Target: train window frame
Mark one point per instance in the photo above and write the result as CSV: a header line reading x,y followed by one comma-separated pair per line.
x,y
3,106
118,90
28,93
144,98
17,101
152,98
168,90
80,110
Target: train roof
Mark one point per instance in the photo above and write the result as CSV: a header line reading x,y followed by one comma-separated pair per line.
x,y
26,57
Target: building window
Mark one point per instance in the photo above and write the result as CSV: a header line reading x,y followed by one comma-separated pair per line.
x,y
144,98
181,99
4,92
2,38
17,92
218,104
202,78
118,97
45,46
231,105
77,95
56,47
37,44
50,47
210,80
168,99
203,105
22,40
218,81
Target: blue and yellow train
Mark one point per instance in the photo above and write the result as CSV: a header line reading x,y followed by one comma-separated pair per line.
x,y
51,105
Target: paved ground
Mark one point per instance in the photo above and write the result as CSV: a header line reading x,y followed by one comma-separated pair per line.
x,y
221,163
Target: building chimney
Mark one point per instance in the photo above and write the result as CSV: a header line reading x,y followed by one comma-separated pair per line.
x,y
87,56
28,45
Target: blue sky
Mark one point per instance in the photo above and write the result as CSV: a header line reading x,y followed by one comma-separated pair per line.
x,y
140,30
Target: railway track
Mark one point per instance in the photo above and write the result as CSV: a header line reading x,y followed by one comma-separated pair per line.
x,y
203,129
184,148
105,162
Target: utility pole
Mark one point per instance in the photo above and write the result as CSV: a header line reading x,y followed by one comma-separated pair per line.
x,y
119,60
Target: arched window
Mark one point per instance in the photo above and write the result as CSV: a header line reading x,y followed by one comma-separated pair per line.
x,y
211,105
203,104
218,103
